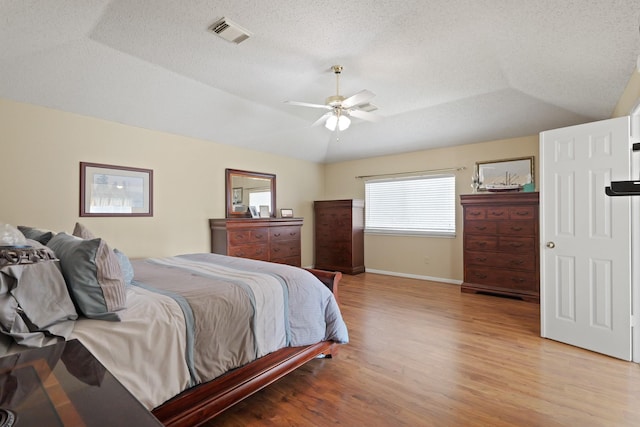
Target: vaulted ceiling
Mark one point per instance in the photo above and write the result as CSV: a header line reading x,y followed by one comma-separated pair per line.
x,y
445,72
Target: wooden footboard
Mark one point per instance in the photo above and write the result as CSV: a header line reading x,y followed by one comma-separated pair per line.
x,y
203,402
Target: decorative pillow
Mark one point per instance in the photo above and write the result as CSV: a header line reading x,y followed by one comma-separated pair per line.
x,y
35,301
125,266
93,275
42,236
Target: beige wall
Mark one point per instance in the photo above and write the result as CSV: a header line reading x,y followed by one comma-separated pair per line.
x,y
629,97
41,148
403,254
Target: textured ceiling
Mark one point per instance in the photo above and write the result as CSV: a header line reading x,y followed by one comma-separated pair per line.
x,y
445,72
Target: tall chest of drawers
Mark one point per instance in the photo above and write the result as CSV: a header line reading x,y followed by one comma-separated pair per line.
x,y
501,244
269,239
339,235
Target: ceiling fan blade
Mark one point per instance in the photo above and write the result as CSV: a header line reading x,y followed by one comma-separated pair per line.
x,y
322,119
364,115
357,99
306,104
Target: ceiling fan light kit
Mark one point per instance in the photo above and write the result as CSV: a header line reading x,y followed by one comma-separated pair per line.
x,y
341,108
341,122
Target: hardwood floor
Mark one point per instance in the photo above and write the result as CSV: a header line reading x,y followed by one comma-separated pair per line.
x,y
423,354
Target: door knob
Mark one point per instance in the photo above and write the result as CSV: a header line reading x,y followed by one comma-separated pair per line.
x,y
551,245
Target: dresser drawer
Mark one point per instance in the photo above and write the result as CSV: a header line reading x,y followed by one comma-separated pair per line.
x,y
524,262
522,212
250,235
473,213
478,243
336,233
516,244
260,252
517,228
284,233
502,278
498,212
481,227
333,255
283,249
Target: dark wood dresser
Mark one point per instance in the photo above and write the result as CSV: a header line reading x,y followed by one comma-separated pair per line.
x,y
339,235
267,239
501,244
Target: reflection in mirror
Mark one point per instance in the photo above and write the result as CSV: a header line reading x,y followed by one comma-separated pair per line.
x,y
245,189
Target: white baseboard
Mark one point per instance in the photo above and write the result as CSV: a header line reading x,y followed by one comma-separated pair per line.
x,y
415,276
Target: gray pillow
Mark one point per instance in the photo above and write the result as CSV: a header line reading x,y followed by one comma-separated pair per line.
x,y
35,301
93,275
42,236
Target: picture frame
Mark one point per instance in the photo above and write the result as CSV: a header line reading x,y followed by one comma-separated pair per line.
x,y
264,211
254,212
286,213
506,172
115,191
237,195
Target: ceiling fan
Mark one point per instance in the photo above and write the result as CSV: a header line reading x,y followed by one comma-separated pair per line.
x,y
341,108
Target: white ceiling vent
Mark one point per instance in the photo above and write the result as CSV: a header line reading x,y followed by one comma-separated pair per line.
x,y
230,31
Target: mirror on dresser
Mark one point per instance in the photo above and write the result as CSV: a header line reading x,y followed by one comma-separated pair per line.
x,y
245,188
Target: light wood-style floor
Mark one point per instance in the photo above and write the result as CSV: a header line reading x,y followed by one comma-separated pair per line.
x,y
423,354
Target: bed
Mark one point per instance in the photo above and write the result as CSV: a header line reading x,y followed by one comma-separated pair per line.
x,y
190,335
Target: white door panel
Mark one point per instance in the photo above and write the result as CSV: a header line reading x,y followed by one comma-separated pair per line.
x,y
586,237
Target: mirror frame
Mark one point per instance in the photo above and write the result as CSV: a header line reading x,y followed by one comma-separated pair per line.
x,y
230,173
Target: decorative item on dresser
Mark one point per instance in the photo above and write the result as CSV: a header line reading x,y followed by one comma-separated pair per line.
x,y
266,239
501,248
339,235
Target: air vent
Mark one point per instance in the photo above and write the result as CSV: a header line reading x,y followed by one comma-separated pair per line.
x,y
230,31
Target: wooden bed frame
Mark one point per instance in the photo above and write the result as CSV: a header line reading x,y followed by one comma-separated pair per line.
x,y
203,402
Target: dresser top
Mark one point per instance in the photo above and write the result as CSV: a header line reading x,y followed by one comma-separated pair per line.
x,y
516,197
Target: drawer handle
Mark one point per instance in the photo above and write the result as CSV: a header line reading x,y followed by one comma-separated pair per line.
x,y
522,213
481,259
481,228
518,262
481,275
276,250
475,213
517,244
497,213
517,279
516,228
481,243
259,236
293,233
276,234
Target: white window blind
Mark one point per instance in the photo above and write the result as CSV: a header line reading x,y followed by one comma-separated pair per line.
x,y
411,205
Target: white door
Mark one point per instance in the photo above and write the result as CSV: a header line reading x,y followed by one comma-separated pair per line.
x,y
586,237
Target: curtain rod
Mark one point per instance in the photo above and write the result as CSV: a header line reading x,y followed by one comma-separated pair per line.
x,y
459,168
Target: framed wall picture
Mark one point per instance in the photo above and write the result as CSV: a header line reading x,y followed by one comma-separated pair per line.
x,y
108,190
286,213
505,174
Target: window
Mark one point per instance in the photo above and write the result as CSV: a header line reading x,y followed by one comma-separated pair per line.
x,y
423,205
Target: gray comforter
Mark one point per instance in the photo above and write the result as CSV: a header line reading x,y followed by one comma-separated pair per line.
x,y
237,309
